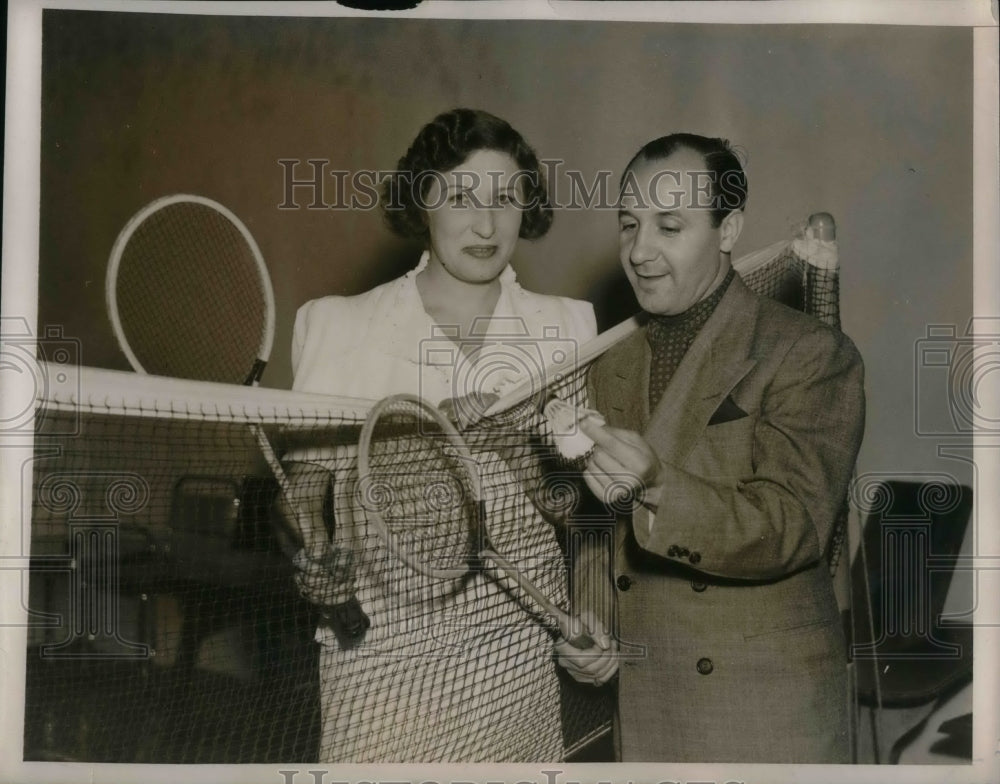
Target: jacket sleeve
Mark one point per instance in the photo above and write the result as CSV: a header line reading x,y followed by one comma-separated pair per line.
x,y
778,519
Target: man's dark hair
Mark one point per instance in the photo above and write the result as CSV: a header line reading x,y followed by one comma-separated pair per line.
x,y
726,175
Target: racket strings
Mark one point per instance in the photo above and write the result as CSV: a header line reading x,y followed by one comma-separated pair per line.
x,y
190,298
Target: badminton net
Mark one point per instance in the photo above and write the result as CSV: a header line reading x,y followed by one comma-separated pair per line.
x,y
174,619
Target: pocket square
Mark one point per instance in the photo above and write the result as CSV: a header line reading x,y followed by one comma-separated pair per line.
x,y
727,412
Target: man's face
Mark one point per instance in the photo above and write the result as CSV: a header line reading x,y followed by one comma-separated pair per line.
x,y
671,253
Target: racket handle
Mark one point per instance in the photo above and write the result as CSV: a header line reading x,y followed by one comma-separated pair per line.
x,y
526,585
309,539
582,641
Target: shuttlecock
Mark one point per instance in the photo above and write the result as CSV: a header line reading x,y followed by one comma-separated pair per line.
x,y
564,419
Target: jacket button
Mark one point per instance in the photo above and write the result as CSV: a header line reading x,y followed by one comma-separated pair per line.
x,y
697,586
683,552
695,557
705,666
672,550
624,582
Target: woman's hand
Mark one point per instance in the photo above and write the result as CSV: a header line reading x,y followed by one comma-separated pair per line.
x,y
622,467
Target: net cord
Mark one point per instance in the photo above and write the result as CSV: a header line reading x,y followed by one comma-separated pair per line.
x,y
554,372
126,393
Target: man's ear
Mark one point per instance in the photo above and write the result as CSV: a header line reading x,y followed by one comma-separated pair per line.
x,y
730,230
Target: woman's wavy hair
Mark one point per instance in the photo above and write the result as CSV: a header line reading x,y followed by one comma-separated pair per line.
x,y
446,142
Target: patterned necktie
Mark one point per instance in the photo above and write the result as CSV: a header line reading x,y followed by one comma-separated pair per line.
x,y
670,337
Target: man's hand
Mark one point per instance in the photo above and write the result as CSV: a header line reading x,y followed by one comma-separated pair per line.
x,y
623,465
595,665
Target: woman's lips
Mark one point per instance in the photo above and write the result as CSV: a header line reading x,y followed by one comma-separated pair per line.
x,y
481,251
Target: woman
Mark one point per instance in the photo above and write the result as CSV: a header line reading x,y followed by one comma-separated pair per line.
x,y
450,670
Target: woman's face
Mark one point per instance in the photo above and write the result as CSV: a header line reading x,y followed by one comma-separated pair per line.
x,y
474,216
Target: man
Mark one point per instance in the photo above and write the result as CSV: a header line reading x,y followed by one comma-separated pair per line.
x,y
737,422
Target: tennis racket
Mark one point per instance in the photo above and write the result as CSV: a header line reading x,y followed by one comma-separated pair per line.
x,y
421,487
188,293
189,296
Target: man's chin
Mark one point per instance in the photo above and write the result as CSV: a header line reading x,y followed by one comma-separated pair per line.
x,y
658,306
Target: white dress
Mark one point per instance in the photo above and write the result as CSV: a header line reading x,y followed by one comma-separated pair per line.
x,y
450,670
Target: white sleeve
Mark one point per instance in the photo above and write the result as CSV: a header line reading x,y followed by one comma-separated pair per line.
x,y
582,322
299,335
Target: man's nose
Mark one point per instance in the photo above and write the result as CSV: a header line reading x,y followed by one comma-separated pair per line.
x,y
643,248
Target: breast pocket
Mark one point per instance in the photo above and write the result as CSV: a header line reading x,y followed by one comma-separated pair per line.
x,y
725,451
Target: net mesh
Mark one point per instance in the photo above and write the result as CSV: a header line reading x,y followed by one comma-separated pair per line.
x,y
190,297
186,607
788,272
175,618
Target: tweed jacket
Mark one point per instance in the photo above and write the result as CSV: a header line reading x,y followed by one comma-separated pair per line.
x,y
731,644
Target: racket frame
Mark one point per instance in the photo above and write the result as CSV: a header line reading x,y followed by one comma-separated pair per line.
x,y
462,452
114,265
476,503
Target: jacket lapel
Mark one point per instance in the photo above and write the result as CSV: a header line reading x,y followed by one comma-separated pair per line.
x,y
628,383
719,357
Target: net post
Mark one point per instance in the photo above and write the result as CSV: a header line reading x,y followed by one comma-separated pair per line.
x,y
823,226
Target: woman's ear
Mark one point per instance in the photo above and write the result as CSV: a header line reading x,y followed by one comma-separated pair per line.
x,y
731,228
